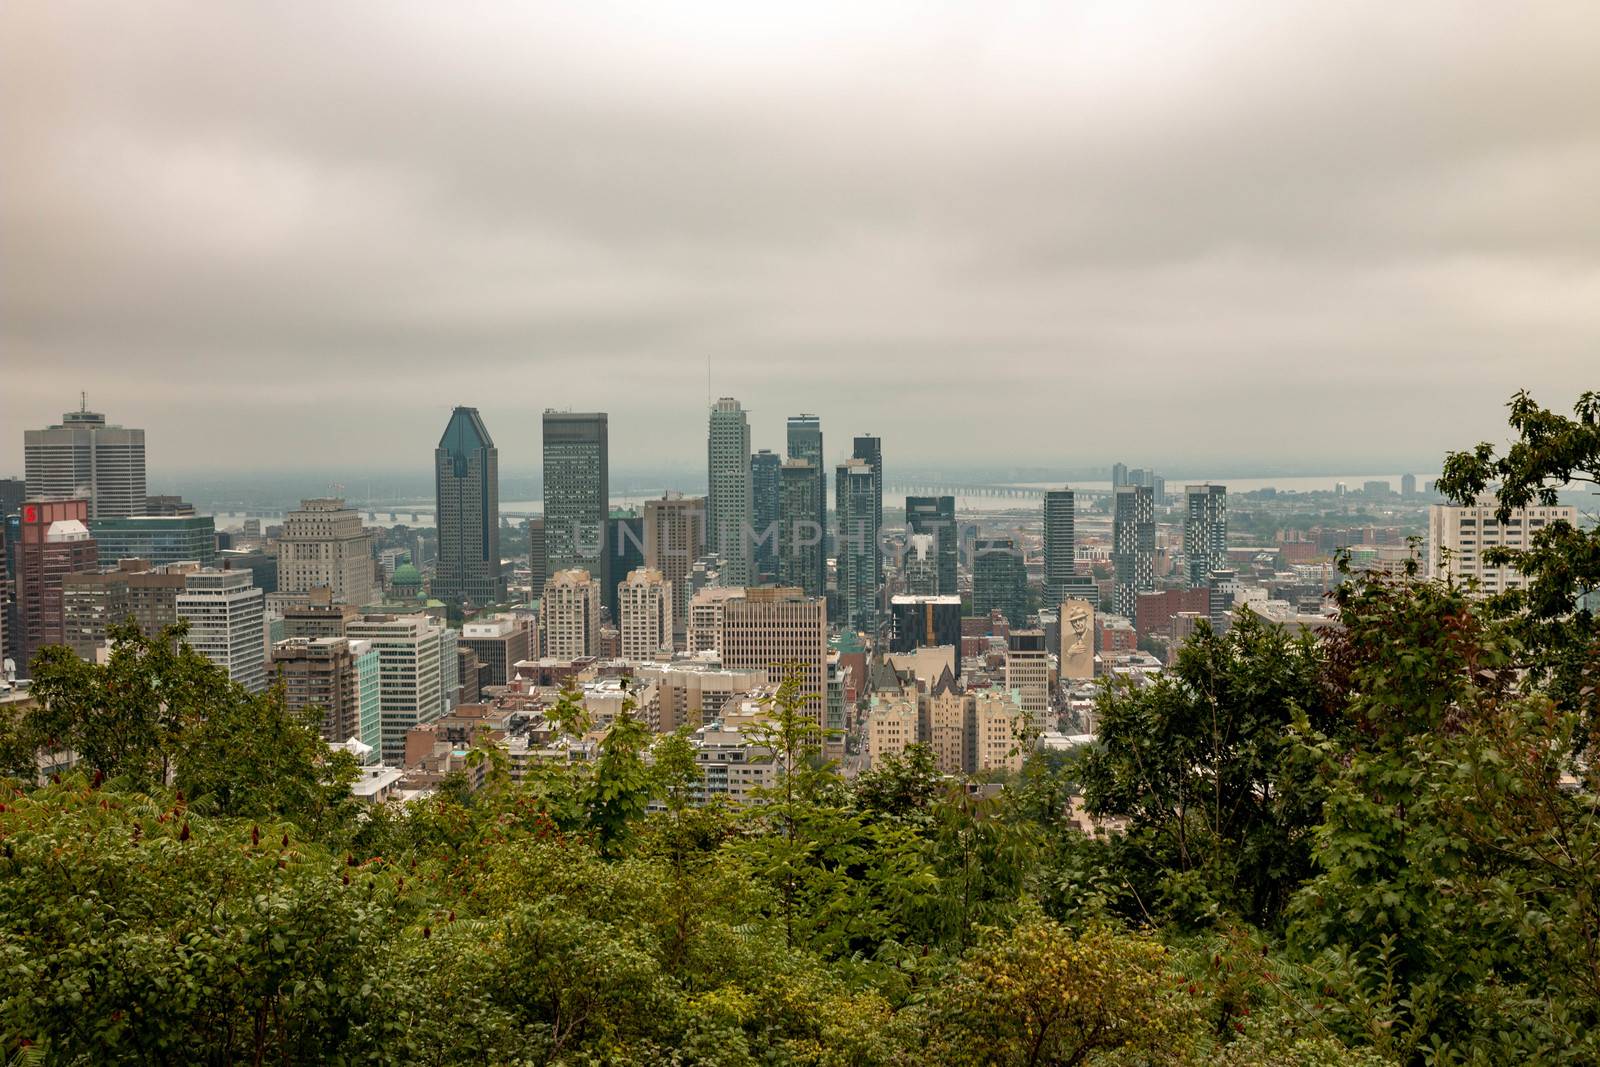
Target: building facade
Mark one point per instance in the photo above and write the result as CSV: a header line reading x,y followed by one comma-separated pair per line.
x,y
569,615
1205,531
1458,536
728,500
159,540
82,456
999,579
413,684
52,540
804,439
94,601
646,615
765,507
499,643
936,517
227,621
859,563
1133,546
577,492
467,490
1060,546
674,538
323,544
775,628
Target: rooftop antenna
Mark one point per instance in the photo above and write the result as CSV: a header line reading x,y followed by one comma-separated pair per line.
x,y
83,401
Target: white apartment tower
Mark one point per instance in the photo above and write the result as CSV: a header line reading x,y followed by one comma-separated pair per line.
x,y
324,544
1458,535
644,603
411,673
569,615
226,614
81,456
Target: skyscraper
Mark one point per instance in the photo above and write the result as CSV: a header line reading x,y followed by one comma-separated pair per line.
x,y
773,628
728,502
324,544
624,554
52,541
538,559
765,504
1205,531
999,579
226,614
936,515
805,442
1133,545
800,559
646,614
467,487
869,450
577,493
1060,545
674,538
81,456
569,615
411,671
1119,474
858,563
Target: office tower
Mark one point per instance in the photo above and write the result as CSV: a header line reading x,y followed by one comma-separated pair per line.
x,y
82,456
262,568
167,505
319,616
324,544
538,556
1205,531
52,541
936,515
1408,485
857,557
674,538
1119,474
728,502
411,680
919,565
227,623
157,539
624,553
869,450
704,632
94,601
774,628
449,669
7,607
800,559
569,615
467,488
13,491
925,622
999,579
646,619
1133,548
1458,536
500,643
805,442
1028,676
337,675
765,504
1223,585
1060,545
577,494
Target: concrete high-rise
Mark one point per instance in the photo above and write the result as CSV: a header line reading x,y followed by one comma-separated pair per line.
x,y
936,516
925,622
800,535
227,623
765,505
1133,546
569,615
52,541
94,601
577,493
805,442
499,643
674,538
412,674
728,502
1458,536
82,456
1205,531
858,563
1060,546
1028,676
774,628
999,579
467,487
646,614
337,675
538,556
324,544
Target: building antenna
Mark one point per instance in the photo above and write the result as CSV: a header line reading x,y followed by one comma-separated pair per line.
x,y
83,402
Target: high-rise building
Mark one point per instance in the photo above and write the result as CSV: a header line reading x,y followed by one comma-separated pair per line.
x,y
1060,546
805,442
1133,546
1408,485
704,631
577,493
411,674
569,615
919,565
999,579
94,601
774,628
869,450
227,623
728,502
936,515
324,544
1028,676
1119,474
997,720
337,675
262,568
765,505
858,563
13,491
1458,536
82,456
499,643
467,486
157,539
1205,531
318,615
52,541
538,556
646,617
674,538
624,553
800,559
167,505
925,622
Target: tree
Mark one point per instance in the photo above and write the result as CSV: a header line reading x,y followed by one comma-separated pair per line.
x,y
619,790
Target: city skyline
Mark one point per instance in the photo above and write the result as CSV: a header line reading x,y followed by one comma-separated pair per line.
x,y
933,207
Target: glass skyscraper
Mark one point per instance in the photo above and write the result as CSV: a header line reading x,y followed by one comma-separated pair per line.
x,y
467,489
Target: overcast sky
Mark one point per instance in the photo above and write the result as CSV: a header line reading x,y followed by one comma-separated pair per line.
x,y
1337,235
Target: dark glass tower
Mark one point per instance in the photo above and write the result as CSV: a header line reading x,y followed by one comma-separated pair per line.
x,y
1133,546
467,493
805,442
765,505
577,496
936,516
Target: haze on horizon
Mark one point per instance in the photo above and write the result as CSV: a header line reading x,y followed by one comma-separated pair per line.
x,y
1334,237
